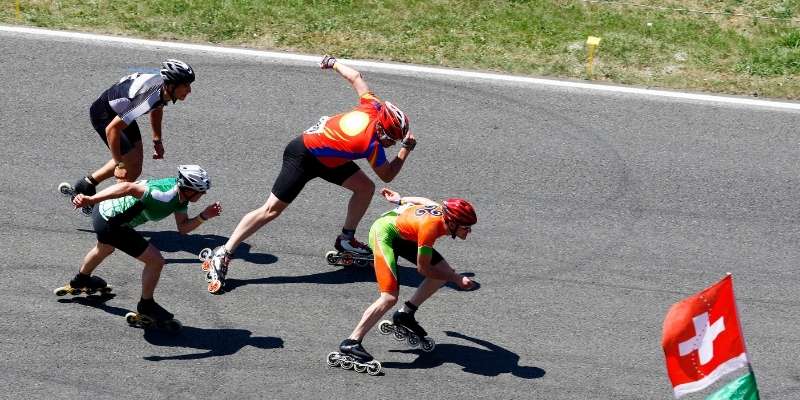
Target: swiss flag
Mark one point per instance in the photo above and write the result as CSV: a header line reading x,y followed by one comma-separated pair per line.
x,y
702,338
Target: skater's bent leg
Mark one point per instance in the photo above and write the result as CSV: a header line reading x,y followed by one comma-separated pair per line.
x,y
363,189
153,263
254,220
373,313
133,162
105,172
95,256
428,286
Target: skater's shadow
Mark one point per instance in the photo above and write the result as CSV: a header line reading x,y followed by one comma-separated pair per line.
x,y
98,302
174,242
407,276
493,360
217,342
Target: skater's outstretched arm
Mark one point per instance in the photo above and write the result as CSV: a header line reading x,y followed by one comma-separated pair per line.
x,y
349,73
394,197
118,190
186,224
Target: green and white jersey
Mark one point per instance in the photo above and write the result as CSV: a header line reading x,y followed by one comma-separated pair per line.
x,y
160,200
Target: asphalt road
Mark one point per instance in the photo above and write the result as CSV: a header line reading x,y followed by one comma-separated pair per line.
x,y
597,211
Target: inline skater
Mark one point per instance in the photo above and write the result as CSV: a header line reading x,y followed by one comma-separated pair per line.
x,y
408,231
113,116
126,205
327,150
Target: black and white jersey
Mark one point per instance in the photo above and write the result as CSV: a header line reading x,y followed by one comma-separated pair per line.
x,y
135,95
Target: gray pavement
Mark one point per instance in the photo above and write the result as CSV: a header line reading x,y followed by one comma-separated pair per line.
x,y
597,211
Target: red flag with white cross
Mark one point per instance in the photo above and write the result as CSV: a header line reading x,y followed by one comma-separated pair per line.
x,y
702,339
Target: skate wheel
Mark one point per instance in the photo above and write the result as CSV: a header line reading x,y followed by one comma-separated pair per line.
x,y
413,341
74,291
205,254
333,359
65,188
428,345
106,289
399,335
346,260
131,318
206,266
215,286
374,367
61,291
90,291
385,327
346,364
331,257
362,263
360,368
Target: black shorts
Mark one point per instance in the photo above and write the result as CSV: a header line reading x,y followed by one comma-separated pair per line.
x,y
300,166
101,114
409,250
121,237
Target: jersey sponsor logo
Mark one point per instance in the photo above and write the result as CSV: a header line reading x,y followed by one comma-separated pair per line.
x,y
431,209
318,127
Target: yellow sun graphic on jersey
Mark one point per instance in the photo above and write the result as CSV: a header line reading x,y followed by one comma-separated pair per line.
x,y
354,123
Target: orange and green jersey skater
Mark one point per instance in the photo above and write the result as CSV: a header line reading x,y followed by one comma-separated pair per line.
x,y
410,231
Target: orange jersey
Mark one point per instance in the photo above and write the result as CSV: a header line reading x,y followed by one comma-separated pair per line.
x,y
348,136
421,224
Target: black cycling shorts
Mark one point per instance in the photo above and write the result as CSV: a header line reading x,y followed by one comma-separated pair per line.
x,y
300,166
409,250
101,114
121,237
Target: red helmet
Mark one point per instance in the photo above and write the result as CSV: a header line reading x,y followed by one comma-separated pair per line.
x,y
459,211
393,120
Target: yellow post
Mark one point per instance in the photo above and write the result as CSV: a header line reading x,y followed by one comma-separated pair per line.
x,y
591,46
19,15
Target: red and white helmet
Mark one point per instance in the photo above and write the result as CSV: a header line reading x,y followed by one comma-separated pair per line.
x,y
393,120
459,211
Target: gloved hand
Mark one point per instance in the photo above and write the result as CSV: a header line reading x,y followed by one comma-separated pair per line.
x,y
327,62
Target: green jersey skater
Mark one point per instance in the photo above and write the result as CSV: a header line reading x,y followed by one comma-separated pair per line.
x,y
126,205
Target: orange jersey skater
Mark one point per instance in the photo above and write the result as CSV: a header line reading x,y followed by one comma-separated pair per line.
x,y
407,231
348,136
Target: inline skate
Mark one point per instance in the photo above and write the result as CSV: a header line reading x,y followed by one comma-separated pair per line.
x,y
84,284
405,328
352,355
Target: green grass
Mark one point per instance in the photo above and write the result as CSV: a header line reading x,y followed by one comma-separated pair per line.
x,y
640,45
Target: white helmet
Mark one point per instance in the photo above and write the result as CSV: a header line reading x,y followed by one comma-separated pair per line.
x,y
193,177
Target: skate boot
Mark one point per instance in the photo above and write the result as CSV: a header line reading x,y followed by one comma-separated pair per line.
x,y
150,314
405,327
352,355
88,284
349,251
82,186
215,264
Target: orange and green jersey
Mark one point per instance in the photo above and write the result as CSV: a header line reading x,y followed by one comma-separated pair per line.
x,y
348,136
414,223
421,224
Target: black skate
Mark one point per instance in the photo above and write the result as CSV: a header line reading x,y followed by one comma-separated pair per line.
x,y
352,355
70,191
405,327
89,285
215,265
349,252
152,315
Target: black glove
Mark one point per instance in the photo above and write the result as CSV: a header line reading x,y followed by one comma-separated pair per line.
x,y
327,62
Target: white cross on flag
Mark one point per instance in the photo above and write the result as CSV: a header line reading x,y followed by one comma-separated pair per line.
x,y
702,339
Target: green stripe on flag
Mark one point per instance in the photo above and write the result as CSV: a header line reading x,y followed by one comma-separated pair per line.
x,y
743,388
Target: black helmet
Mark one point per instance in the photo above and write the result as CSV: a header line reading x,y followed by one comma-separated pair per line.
x,y
176,71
